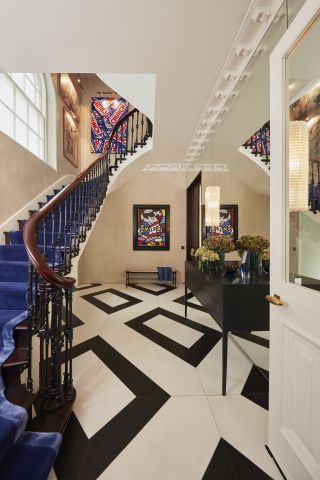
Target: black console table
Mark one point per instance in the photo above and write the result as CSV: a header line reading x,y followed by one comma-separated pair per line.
x,y
235,304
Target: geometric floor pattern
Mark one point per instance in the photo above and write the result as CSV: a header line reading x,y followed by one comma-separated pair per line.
x,y
149,403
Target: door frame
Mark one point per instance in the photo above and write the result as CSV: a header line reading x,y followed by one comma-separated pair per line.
x,y
281,333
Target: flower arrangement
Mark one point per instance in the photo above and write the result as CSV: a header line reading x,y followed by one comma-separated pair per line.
x,y
207,257
219,243
254,244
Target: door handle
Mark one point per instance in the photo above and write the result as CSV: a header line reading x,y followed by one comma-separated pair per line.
x,y
275,300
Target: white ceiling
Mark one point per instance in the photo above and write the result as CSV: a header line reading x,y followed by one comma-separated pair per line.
x,y
185,43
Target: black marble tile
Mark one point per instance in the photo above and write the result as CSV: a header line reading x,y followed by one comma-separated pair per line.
x,y
76,322
227,463
92,285
181,300
256,387
165,289
129,300
251,337
81,458
193,355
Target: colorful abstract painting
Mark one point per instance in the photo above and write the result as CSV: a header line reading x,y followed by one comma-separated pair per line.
x,y
151,227
105,113
228,225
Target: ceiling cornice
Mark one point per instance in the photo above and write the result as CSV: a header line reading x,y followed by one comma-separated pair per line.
x,y
257,20
186,167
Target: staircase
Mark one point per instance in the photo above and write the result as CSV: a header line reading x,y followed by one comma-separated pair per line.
x,y
36,308
257,147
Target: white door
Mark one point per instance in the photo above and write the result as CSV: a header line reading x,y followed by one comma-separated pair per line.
x,y
294,421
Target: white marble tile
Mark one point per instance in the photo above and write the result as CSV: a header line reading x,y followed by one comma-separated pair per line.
x,y
263,334
196,315
176,331
87,312
123,316
194,300
244,425
100,394
177,443
85,332
134,292
171,373
210,370
111,299
257,353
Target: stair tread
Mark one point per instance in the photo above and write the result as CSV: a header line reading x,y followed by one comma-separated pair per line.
x,y
8,286
17,357
22,325
6,315
17,263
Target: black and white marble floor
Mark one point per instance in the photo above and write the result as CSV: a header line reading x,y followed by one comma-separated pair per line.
x,y
149,404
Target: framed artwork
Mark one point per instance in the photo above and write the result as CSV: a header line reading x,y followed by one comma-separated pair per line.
x,y
69,94
151,227
70,138
105,113
228,224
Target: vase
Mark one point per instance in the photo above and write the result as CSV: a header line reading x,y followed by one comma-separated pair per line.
x,y
220,262
203,265
254,262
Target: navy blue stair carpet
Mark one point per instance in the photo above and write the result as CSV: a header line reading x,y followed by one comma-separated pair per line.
x,y
23,455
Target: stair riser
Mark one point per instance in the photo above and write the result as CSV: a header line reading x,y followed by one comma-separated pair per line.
x,y
13,273
11,376
12,253
21,338
13,300
16,238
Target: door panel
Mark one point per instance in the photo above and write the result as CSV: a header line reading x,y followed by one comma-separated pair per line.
x,y
294,419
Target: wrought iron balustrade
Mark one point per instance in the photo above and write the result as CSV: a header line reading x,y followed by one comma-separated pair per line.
x,y
52,237
259,143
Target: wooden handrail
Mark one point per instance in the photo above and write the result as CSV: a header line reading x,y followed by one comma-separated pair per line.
x,y
30,228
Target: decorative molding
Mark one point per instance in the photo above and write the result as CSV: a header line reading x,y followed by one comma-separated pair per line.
x,y
186,167
256,23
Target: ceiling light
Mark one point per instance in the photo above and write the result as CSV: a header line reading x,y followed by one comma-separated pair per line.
x,y
212,206
298,166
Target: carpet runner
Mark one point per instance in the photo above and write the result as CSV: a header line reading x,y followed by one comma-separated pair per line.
x,y
23,455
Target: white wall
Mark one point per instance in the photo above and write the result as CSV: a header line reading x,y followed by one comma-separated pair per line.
x,y
138,88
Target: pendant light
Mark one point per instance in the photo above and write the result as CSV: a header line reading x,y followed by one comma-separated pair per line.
x,y
212,201
298,166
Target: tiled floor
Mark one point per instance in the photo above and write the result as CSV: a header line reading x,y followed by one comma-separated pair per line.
x,y
149,404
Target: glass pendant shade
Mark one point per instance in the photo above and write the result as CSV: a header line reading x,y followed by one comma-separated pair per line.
x,y
212,206
298,166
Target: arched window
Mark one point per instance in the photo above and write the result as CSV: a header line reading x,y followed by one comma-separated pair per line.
x,y
23,110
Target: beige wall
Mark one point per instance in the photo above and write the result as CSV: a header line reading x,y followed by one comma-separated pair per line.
x,y
253,208
109,251
23,175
